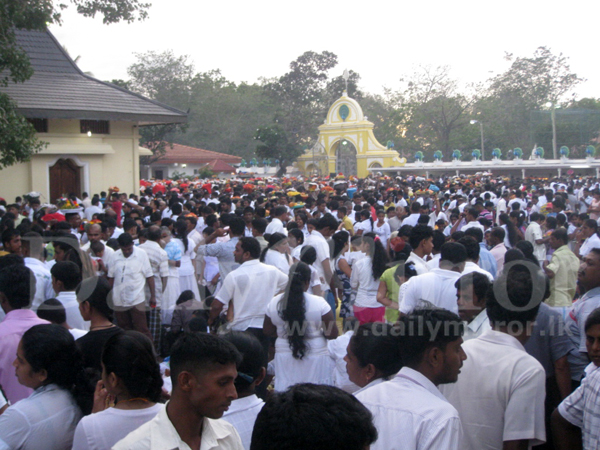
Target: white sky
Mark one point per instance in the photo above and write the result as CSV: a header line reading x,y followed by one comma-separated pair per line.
x,y
381,40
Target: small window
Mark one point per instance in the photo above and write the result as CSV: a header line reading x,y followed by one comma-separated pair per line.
x,y
95,126
40,125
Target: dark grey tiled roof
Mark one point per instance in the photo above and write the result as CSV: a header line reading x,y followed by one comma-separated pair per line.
x,y
59,90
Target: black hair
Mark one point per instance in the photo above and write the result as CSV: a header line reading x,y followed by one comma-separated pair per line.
x,y
562,235
511,228
498,233
405,230
593,319
479,282
438,240
316,417
419,233
154,233
197,352
292,308
279,211
426,328
379,257
516,295
375,343
260,225
95,290
253,355
53,311
124,240
251,245
308,254
296,233
327,221
68,273
405,269
273,240
527,248
8,234
181,232
471,246
237,226
339,239
52,348
366,214
476,233
184,297
453,252
130,356
17,283
591,223
12,259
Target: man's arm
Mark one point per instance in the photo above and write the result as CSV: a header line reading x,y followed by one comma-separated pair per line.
x,y
562,372
151,285
215,309
566,435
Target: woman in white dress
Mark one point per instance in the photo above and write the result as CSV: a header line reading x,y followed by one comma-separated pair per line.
x,y
365,223
302,323
187,273
381,228
131,378
172,291
373,355
276,253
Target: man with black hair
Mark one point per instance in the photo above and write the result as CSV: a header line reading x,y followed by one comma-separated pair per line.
x,y
409,411
66,276
251,372
585,240
471,289
421,241
280,216
438,240
259,225
16,293
472,248
128,275
248,289
486,260
54,312
436,287
498,249
32,246
11,241
501,389
315,417
415,213
203,372
326,226
562,270
535,235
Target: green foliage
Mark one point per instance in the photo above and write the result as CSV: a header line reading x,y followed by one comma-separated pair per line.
x,y
17,137
157,138
178,175
205,172
276,145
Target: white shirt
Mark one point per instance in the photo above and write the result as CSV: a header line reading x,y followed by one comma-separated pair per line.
x,y
412,220
435,287
129,277
44,420
242,415
160,433
592,242
479,325
533,233
337,350
276,226
472,267
421,265
104,429
499,393
410,413
74,319
43,282
473,224
90,211
159,261
318,241
251,287
278,260
364,284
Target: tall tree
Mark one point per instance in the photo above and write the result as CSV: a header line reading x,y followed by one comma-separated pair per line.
x,y
276,145
18,140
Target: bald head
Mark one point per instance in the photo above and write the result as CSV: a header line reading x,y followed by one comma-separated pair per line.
x,y
94,232
154,233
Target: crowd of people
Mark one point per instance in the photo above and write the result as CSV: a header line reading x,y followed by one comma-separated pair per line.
x,y
383,313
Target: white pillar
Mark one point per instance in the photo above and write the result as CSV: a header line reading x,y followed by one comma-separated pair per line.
x,y
559,172
427,174
523,173
457,174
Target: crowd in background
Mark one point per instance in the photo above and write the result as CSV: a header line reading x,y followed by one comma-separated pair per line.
x,y
453,313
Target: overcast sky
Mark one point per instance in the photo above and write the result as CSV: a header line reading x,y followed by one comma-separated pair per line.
x,y
381,40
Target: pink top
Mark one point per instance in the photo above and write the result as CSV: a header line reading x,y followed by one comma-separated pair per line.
x,y
12,328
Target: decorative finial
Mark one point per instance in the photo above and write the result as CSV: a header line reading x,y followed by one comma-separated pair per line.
x,y
345,76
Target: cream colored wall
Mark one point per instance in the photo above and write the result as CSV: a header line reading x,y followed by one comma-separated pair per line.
x,y
109,160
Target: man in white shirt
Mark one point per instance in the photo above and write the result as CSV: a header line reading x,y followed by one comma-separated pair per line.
x,y
501,206
471,290
280,215
94,234
128,275
436,287
421,241
94,208
471,215
66,276
326,226
415,213
498,249
472,264
587,238
203,371
501,389
248,289
33,251
409,411
535,235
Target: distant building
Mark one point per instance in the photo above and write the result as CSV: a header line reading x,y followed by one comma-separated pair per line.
x,y
91,126
190,161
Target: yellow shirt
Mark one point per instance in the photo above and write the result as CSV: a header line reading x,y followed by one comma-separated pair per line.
x,y
347,225
565,265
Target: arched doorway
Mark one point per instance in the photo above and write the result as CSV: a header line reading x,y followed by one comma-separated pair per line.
x,y
345,162
65,178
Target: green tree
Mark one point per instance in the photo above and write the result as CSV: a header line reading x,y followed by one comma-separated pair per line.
x,y
18,141
276,145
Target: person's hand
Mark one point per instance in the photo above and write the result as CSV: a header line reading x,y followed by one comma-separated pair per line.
x,y
102,399
152,301
220,232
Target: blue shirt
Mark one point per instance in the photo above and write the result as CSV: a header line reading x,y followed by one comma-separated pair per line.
x,y
486,260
